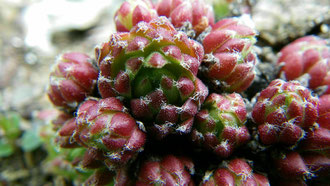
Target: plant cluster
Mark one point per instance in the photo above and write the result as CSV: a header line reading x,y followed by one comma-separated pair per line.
x,y
163,103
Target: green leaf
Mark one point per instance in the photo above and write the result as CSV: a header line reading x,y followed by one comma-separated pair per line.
x,y
221,9
5,149
75,153
10,123
30,140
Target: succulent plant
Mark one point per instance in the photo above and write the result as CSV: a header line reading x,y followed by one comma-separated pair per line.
x,y
308,55
63,162
105,125
66,158
148,82
153,68
220,125
72,79
132,12
169,170
157,170
197,13
300,167
64,138
234,172
292,165
326,82
324,112
284,110
317,139
230,58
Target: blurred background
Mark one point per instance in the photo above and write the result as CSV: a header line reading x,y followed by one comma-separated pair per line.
x,y
34,32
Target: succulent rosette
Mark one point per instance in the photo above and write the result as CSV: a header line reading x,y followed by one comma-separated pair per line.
x,y
105,125
197,13
60,119
170,170
300,167
64,124
234,172
311,160
157,170
66,162
64,138
230,58
317,140
309,55
153,68
132,12
72,79
315,148
284,111
219,126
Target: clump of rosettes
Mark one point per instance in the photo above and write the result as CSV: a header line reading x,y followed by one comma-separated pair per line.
x,y
169,170
219,126
72,79
105,125
197,13
230,59
153,69
283,112
307,59
234,172
132,12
